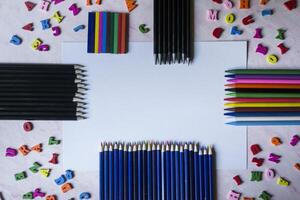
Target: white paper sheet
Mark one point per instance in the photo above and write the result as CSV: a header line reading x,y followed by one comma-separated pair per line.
x,y
131,99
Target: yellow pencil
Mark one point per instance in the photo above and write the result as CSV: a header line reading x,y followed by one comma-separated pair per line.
x,y
262,105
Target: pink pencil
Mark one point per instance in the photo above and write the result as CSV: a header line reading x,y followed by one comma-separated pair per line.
x,y
275,81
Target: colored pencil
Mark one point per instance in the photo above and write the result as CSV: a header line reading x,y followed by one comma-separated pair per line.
x,y
259,81
149,172
264,100
264,71
261,90
255,76
121,172
181,171
177,173
201,175
159,173
264,123
156,30
264,95
262,109
101,172
145,178
140,174
154,173
167,173
262,114
111,172
206,175
262,104
134,172
292,118
129,168
106,173
116,171
191,171
125,172
211,173
270,86
163,165
172,171
196,172
186,172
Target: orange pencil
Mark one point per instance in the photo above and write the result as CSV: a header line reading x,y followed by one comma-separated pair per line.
x,y
88,2
266,86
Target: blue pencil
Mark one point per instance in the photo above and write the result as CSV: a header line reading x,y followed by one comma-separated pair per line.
x,y
121,172
134,174
211,174
206,179
111,172
125,172
140,179
186,173
129,168
196,172
177,181
149,172
154,169
163,171
116,171
264,123
106,173
201,175
172,171
101,173
158,172
181,172
191,171
144,157
167,173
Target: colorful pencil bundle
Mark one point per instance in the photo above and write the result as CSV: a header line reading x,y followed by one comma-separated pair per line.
x,y
263,96
42,92
156,171
107,32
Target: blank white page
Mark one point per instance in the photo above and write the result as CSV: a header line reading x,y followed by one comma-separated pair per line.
x,y
131,99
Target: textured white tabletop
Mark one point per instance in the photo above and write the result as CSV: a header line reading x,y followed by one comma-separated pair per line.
x,y
14,16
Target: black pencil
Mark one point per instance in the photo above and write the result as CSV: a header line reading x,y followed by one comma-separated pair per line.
x,y
155,29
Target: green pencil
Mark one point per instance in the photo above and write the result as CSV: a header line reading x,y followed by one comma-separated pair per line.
x,y
263,71
116,31
264,95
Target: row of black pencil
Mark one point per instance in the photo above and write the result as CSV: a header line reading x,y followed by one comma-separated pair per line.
x,y
156,171
42,92
173,31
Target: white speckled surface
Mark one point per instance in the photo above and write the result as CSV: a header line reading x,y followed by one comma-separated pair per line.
x,y
13,16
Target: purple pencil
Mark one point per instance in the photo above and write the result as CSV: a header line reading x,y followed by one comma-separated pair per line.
x,y
288,77
274,81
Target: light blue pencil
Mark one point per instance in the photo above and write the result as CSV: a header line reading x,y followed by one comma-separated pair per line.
x,y
264,123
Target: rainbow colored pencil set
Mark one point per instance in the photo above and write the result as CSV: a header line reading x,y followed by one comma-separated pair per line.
x,y
263,97
107,32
